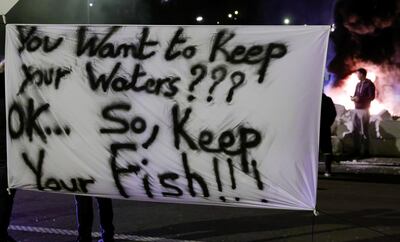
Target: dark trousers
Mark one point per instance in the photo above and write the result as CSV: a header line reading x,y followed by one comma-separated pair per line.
x,y
6,203
327,159
325,148
84,213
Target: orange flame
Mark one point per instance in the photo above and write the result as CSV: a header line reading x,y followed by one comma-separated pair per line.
x,y
341,95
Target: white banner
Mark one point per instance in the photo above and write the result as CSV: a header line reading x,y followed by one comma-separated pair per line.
x,y
222,115
6,5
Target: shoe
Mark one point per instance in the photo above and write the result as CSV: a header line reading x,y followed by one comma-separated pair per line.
x,y
327,174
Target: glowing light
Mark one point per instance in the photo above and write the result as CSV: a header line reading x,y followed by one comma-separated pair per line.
x,y
236,12
376,107
199,19
371,76
229,15
91,4
218,22
286,21
333,27
341,95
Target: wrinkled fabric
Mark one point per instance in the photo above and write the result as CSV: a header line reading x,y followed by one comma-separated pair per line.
x,y
211,115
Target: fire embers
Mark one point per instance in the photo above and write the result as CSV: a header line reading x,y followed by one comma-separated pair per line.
x,y
368,31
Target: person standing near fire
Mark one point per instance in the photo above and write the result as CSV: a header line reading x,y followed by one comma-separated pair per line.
x,y
363,96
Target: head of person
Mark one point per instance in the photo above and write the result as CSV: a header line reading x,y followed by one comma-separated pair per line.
x,y
362,74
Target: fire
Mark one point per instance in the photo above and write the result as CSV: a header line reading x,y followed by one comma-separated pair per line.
x,y
341,95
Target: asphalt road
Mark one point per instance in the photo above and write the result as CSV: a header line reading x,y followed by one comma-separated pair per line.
x,y
352,208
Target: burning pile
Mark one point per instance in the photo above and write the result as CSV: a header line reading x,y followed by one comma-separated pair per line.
x,y
367,35
387,97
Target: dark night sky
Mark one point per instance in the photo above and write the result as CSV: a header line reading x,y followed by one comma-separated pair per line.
x,y
179,12
171,11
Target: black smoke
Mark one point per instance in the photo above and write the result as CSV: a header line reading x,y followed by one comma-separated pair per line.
x,y
367,31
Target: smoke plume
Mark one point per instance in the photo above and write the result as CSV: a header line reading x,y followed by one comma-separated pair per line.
x,y
367,35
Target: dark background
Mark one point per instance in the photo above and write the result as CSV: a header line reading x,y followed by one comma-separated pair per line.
x,y
176,12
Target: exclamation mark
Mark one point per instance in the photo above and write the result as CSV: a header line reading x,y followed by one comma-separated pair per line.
x,y
232,175
260,184
218,177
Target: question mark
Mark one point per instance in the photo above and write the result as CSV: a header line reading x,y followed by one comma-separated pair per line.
x,y
200,71
217,78
242,78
